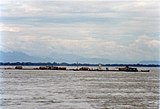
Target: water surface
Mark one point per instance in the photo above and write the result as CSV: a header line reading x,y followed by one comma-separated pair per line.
x,y
44,89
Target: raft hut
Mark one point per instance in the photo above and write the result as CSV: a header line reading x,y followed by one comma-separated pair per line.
x,y
129,69
18,67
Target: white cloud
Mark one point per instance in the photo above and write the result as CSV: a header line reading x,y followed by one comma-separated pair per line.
x,y
89,28
34,8
154,43
147,42
9,28
143,48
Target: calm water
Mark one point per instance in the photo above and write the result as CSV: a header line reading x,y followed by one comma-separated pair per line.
x,y
22,89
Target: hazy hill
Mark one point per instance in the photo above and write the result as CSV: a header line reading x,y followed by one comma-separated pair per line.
x,y
149,62
55,57
69,58
17,57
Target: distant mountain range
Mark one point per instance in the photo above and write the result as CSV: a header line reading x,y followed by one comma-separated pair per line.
x,y
55,57
17,57
149,62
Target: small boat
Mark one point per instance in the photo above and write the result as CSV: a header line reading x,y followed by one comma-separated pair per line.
x,y
145,70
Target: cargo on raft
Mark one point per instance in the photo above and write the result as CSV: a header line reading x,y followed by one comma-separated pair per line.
x,y
128,69
84,68
52,68
18,67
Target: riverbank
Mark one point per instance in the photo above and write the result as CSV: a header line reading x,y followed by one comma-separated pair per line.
x,y
73,64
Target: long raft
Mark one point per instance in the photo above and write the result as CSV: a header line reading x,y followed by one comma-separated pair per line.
x,y
124,69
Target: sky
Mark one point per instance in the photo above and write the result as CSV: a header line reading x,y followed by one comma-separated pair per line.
x,y
110,29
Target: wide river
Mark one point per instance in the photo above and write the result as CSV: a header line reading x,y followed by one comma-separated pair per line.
x,y
50,89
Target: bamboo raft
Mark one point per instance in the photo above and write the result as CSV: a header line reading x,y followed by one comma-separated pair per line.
x,y
124,69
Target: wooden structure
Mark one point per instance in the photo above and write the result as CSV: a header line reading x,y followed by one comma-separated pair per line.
x,y
129,69
18,67
84,68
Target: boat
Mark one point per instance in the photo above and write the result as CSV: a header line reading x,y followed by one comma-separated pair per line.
x,y
145,70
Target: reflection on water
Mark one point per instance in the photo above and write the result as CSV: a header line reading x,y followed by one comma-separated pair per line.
x,y
78,90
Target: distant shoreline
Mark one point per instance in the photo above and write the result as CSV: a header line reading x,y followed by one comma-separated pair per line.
x,y
73,64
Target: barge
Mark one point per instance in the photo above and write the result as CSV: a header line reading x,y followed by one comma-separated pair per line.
x,y
124,69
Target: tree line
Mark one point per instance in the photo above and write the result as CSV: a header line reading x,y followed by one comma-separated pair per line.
x,y
72,64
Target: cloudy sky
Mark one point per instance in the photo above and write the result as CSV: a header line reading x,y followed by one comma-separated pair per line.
x,y
111,29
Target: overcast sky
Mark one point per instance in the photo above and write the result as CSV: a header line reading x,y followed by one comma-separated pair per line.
x,y
111,29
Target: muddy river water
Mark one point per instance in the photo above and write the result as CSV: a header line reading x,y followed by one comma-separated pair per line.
x,y
44,89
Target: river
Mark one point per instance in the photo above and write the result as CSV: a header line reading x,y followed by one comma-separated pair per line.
x,y
51,89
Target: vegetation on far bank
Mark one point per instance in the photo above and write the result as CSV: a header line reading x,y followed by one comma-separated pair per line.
x,y
72,64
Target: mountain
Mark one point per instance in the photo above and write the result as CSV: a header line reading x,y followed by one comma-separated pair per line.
x,y
17,57
149,62
54,57
72,58
57,57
